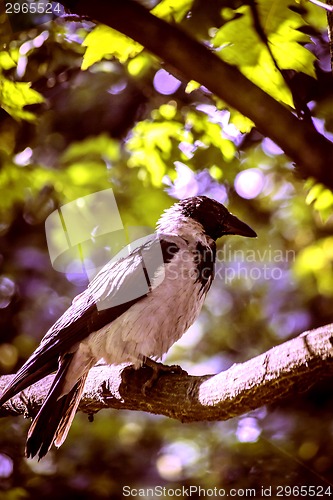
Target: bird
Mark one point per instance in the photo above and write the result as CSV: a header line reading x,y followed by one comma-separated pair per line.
x,y
108,322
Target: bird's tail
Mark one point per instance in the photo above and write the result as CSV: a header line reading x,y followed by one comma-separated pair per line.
x,y
53,421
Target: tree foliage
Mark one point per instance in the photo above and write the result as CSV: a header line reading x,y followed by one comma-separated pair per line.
x,y
229,99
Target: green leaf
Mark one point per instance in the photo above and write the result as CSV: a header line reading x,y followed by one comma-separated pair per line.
x,y
152,143
287,50
240,50
6,59
266,76
210,134
322,199
315,16
140,64
313,193
252,56
241,122
192,85
167,111
172,10
316,260
100,146
104,42
15,95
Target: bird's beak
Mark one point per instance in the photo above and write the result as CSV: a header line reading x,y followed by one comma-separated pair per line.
x,y
232,225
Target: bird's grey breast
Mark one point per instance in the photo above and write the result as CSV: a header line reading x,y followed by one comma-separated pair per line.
x,y
154,323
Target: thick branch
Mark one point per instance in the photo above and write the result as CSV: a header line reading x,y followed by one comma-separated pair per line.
x,y
284,371
311,151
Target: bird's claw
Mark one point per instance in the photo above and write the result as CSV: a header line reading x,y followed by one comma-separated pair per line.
x,y
157,370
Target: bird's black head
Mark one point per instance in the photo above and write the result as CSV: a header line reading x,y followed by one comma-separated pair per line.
x,y
215,219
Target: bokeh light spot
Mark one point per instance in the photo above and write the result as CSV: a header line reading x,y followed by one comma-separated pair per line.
x,y
308,450
169,467
23,158
7,290
8,356
249,183
177,460
248,430
165,83
6,466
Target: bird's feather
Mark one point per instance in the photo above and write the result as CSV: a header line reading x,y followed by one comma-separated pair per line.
x,y
204,259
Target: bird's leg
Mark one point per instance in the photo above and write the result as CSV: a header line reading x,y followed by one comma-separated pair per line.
x,y
157,370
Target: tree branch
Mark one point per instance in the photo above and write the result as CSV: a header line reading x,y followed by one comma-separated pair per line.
x,y
310,150
283,371
329,14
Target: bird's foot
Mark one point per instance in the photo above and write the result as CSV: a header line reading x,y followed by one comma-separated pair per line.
x,y
157,370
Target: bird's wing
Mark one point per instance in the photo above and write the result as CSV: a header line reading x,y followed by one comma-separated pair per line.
x,y
120,284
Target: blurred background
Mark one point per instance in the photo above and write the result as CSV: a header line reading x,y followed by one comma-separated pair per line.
x,y
86,110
